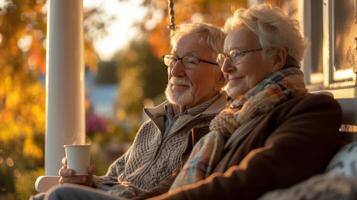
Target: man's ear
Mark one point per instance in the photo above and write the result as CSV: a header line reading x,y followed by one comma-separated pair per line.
x,y
279,59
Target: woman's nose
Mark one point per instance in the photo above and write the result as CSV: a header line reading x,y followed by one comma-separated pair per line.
x,y
227,65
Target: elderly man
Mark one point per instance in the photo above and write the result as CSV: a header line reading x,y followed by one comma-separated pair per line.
x,y
164,142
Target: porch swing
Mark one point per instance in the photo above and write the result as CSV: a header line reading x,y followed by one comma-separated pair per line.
x,y
349,118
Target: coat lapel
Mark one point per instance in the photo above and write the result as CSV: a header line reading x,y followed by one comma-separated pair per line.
x,y
157,114
210,112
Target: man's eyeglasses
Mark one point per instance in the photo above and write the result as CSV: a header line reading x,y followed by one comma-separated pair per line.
x,y
234,56
188,61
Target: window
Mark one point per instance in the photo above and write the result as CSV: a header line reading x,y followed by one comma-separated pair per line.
x,y
331,27
311,16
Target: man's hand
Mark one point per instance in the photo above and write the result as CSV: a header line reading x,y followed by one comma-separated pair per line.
x,y
69,175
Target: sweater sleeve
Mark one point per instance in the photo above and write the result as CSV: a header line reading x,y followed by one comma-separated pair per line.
x,y
117,167
298,148
110,178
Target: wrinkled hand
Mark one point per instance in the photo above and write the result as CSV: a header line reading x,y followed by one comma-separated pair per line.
x,y
69,175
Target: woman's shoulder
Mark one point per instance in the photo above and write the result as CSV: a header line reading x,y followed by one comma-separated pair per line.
x,y
310,103
321,99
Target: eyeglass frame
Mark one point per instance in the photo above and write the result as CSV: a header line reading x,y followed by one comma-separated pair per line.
x,y
239,55
181,58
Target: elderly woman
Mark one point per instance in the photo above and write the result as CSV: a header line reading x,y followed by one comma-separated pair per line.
x,y
274,134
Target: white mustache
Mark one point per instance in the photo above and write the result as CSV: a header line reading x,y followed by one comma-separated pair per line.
x,y
179,81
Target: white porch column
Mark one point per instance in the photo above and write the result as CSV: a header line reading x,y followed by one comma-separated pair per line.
x,y
64,81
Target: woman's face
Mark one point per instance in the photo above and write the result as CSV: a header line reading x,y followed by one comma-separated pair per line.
x,y
250,68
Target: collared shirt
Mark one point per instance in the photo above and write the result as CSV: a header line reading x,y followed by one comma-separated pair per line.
x,y
171,117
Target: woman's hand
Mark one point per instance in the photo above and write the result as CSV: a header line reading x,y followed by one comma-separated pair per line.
x,y
69,175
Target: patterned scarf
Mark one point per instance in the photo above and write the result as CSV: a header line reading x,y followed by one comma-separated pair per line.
x,y
280,86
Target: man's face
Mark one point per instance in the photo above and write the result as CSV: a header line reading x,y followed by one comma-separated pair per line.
x,y
251,68
190,86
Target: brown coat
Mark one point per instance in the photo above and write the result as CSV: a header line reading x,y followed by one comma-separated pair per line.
x,y
289,144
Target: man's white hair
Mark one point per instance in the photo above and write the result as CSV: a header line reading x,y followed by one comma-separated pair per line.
x,y
212,35
272,26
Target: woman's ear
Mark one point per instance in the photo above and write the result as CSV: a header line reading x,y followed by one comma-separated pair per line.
x,y
279,59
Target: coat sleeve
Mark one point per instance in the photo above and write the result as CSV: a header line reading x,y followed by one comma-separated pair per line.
x,y
298,148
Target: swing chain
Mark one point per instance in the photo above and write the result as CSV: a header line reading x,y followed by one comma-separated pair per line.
x,y
355,11
171,13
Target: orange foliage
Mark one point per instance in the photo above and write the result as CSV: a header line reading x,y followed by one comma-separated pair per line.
x,y
159,40
209,11
22,64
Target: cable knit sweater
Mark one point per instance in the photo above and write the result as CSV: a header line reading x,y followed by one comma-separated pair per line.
x,y
151,163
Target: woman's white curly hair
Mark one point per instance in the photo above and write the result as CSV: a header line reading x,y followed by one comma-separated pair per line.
x,y
272,26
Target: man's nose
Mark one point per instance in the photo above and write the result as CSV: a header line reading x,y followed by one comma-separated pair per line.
x,y
178,68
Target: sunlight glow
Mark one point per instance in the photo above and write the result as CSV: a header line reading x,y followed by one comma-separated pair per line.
x,y
3,3
343,74
25,43
121,30
10,162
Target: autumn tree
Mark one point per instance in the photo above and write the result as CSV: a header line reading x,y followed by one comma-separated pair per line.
x,y
142,78
22,93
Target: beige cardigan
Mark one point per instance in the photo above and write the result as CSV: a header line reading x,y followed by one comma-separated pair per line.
x,y
154,158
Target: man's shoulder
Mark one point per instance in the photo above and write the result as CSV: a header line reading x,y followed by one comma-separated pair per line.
x,y
147,124
218,105
157,110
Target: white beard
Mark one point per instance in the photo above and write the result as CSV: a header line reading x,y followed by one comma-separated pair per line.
x,y
181,99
